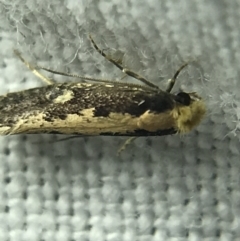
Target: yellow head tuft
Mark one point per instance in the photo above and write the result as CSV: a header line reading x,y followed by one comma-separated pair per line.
x,y
187,117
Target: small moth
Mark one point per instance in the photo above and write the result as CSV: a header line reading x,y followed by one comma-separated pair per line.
x,y
102,107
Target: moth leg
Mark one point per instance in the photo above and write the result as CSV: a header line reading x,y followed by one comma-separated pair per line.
x,y
125,144
29,66
124,70
173,79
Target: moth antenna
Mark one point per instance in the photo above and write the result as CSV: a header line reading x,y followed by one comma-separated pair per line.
x,y
173,79
124,70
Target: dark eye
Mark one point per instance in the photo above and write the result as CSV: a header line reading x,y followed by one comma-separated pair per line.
x,y
183,98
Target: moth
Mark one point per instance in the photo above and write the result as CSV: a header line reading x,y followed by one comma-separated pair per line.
x,y
100,107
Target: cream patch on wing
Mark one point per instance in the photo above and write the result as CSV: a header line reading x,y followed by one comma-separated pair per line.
x,y
156,121
4,130
66,96
84,123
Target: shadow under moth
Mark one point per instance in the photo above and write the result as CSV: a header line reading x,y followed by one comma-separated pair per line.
x,y
101,107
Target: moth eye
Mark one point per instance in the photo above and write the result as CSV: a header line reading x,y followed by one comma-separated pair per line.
x,y
183,98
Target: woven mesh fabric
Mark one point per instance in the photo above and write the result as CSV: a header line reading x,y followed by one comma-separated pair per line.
x,y
163,188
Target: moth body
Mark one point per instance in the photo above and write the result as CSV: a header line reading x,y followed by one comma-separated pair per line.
x,y
117,109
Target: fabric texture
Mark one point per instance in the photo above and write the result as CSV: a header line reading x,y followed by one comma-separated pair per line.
x,y
162,188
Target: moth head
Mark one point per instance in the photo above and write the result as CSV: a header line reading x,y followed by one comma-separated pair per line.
x,y
188,112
